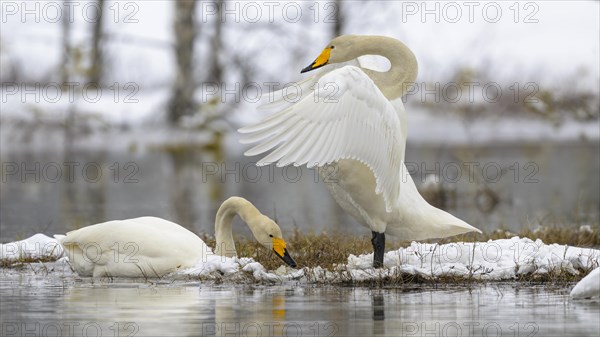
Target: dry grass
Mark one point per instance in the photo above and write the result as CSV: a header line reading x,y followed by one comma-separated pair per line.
x,y
569,237
309,250
23,261
549,235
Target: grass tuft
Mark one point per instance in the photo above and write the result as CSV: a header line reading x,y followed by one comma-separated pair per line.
x,y
24,261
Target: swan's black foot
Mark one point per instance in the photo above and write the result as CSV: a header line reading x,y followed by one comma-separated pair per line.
x,y
378,242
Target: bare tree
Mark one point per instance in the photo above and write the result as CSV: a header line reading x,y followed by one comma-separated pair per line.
x,y
95,72
338,25
182,100
216,45
66,45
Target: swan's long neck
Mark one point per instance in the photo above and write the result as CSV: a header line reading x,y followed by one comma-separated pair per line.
x,y
223,223
394,82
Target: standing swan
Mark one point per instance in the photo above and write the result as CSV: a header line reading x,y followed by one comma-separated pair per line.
x,y
354,117
153,247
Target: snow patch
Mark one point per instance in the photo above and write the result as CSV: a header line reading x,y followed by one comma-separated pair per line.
x,y
503,259
39,246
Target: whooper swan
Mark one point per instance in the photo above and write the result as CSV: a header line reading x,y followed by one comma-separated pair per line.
x,y
354,117
153,247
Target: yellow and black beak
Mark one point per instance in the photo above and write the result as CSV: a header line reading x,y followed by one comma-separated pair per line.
x,y
322,60
281,251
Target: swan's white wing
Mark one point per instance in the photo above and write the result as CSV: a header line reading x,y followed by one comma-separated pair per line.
x,y
339,115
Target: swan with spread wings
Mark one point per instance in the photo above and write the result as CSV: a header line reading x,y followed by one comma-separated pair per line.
x,y
353,117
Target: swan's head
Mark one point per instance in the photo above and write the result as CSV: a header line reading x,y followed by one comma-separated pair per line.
x,y
341,49
268,233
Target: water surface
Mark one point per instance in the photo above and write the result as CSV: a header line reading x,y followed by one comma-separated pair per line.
x,y
47,305
511,186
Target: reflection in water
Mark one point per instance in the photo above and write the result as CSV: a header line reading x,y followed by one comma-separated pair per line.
x,y
193,309
278,304
378,313
181,191
378,307
144,309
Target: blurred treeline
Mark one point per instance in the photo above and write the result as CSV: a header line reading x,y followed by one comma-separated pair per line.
x,y
198,49
201,55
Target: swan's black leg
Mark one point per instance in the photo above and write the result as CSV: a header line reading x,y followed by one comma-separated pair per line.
x,y
378,242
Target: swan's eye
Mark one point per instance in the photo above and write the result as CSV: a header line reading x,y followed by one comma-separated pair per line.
x,y
270,235
332,47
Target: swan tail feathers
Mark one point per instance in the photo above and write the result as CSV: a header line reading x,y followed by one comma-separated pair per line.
x,y
464,227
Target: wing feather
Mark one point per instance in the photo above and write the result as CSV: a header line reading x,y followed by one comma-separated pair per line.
x,y
319,127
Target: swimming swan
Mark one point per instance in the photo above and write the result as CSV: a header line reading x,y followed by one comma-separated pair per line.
x,y
354,117
588,287
153,247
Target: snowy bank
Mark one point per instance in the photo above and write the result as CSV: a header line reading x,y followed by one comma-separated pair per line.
x,y
495,260
503,259
38,246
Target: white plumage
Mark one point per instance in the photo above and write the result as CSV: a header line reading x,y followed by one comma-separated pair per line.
x,y
353,116
330,124
588,287
140,247
153,247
